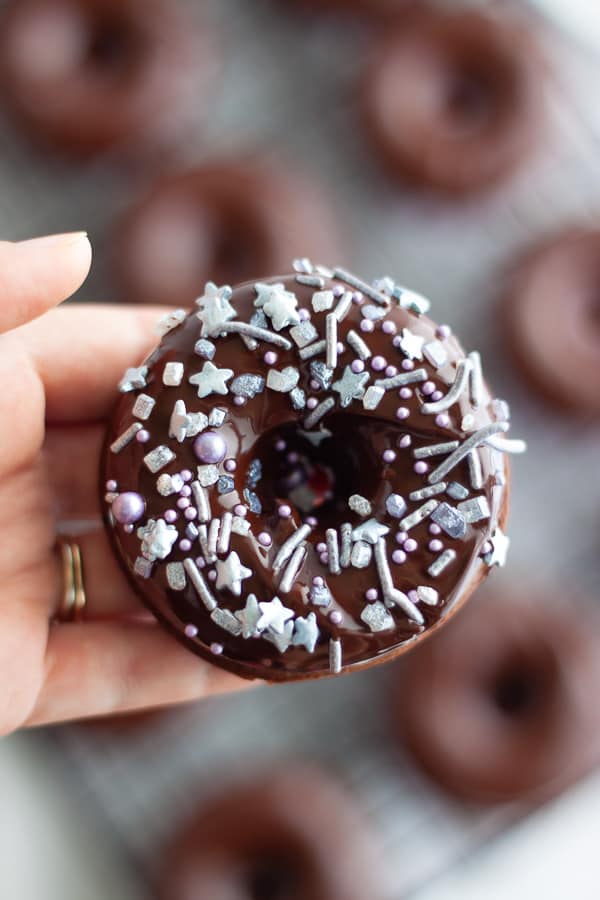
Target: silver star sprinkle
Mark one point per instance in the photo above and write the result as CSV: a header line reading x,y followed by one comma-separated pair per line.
x,y
133,379
274,615
157,539
411,344
500,544
249,616
370,531
211,380
351,386
278,304
231,573
282,641
306,632
215,308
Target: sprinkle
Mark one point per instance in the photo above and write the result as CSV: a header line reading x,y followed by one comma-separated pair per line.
x,y
360,505
395,505
231,573
264,539
475,379
201,501
374,313
204,348
398,557
247,386
475,509
391,595
224,533
253,331
359,285
333,553
142,567
322,374
426,492
403,412
478,437
420,467
288,547
450,520
320,595
208,475
404,441
442,562
341,310
361,555
318,412
410,545
335,656
435,352
270,358
143,436
311,281
158,458
211,380
435,545
173,374
507,445
226,620
357,344
176,576
346,544
435,450
457,491
133,379
351,386
303,334
298,398
367,326
427,595
419,515
376,617
322,301
312,350
292,570
190,631
199,584
331,324
500,544
475,470
240,526
213,536
143,406
203,541
459,384
126,438
373,395
284,511
306,632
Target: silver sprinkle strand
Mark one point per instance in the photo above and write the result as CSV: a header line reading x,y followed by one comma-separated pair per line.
x,y
318,412
292,569
427,492
346,544
333,551
459,384
201,501
331,324
224,532
288,547
357,344
335,656
507,445
402,379
391,595
475,470
418,516
435,450
314,281
176,576
442,562
252,331
200,584
126,438
341,310
203,541
360,285
312,350
477,438
475,379
213,536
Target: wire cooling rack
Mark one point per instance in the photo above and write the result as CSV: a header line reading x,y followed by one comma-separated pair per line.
x,y
288,88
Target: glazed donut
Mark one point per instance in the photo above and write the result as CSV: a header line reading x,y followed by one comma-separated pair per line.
x,y
551,317
307,475
291,834
452,100
89,76
229,222
502,707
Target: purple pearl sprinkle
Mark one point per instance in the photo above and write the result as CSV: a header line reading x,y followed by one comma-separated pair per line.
x,y
401,536
357,297
240,510
335,617
216,649
191,513
388,327
434,528
212,575
405,393
186,475
143,436
190,631
270,358
378,363
413,596
170,516
318,581
398,557
428,388
230,465
128,507
185,491
321,547
435,545
311,402
357,366
390,371
284,511
239,401
388,456
421,467
210,447
111,485
442,420
293,457
280,445
303,315
405,441
312,521
402,412
200,562
324,558
128,529
443,331
437,395
371,594
487,548
314,385
408,365
337,290
264,539
410,545
340,348
185,545
183,503
367,326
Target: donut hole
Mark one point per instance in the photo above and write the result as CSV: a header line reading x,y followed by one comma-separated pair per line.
x,y
111,45
525,686
469,99
317,472
272,877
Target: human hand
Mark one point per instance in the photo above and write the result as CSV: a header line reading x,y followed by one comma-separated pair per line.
x,y
58,374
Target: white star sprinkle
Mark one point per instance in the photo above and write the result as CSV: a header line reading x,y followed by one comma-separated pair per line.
x,y
370,531
133,379
170,321
278,304
282,641
274,615
215,308
249,617
231,573
306,632
411,344
500,544
351,386
183,424
211,380
157,539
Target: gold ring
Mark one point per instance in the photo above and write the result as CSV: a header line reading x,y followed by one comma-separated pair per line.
x,y
73,600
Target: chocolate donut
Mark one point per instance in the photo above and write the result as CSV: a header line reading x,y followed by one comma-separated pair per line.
x,y
452,100
227,222
551,316
501,705
88,76
291,834
307,475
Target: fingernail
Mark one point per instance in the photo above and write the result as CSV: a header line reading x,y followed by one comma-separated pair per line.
x,y
59,240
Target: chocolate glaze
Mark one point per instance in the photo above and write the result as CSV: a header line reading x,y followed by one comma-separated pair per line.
x,y
359,438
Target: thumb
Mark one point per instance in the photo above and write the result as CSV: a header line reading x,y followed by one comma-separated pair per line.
x,y
39,274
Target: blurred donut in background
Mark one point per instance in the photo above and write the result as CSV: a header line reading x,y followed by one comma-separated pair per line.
x,y
226,223
289,834
86,77
552,315
452,99
372,7
502,705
